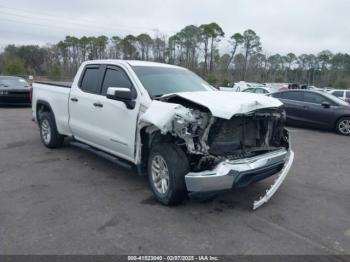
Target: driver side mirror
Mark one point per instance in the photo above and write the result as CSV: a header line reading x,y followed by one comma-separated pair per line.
x,y
121,94
326,104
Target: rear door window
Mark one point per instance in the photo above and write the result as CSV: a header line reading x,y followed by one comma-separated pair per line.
x,y
347,94
90,82
314,98
338,94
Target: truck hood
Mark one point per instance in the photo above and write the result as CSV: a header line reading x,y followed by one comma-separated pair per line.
x,y
220,104
227,104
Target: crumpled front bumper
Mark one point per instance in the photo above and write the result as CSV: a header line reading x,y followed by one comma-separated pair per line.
x,y
239,173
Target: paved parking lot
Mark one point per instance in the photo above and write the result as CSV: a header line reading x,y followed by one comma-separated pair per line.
x,y
69,201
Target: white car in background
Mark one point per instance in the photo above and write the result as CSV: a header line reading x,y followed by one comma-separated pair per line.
x,y
277,86
240,86
342,94
259,90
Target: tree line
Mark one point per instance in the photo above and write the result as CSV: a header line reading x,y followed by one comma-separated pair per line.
x,y
194,47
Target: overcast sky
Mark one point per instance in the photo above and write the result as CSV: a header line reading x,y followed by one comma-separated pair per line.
x,y
299,26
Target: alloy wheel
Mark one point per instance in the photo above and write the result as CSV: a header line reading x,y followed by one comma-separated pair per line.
x,y
344,127
46,131
160,174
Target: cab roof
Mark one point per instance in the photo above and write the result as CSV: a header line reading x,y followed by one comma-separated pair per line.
x,y
132,63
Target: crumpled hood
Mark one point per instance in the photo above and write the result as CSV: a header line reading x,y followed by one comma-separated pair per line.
x,y
227,104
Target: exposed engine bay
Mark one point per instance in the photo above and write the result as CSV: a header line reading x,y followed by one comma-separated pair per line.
x,y
213,140
209,140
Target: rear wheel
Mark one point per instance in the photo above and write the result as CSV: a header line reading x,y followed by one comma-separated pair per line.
x,y
167,167
48,131
343,126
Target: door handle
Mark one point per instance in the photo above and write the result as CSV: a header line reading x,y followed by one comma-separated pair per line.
x,y
98,104
74,99
305,107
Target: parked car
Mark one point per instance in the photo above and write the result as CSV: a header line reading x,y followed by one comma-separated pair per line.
x,y
14,91
258,90
277,86
170,124
342,94
316,109
240,86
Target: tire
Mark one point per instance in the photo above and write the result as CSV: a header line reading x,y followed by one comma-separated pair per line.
x,y
176,163
48,131
343,126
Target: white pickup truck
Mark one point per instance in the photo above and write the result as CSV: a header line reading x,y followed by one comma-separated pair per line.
x,y
170,124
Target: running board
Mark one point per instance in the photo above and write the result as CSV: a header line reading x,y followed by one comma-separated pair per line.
x,y
116,160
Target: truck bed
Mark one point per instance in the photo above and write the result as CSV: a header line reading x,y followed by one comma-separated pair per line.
x,y
56,95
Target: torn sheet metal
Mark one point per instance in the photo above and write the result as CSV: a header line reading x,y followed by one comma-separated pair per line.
x,y
161,114
227,104
272,190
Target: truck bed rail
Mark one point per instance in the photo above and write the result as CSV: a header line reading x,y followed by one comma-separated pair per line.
x,y
54,83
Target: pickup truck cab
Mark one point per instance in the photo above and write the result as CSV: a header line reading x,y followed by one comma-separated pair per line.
x,y
170,124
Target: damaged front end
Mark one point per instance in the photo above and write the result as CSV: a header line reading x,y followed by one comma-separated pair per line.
x,y
225,153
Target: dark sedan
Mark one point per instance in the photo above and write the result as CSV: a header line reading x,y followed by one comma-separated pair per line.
x,y
316,109
14,91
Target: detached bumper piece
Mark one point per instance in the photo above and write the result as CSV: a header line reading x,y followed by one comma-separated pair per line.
x,y
241,173
281,176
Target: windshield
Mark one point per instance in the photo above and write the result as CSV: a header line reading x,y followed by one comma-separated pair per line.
x,y
160,81
12,82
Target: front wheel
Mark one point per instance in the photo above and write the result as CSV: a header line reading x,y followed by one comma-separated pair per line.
x,y
343,126
167,167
